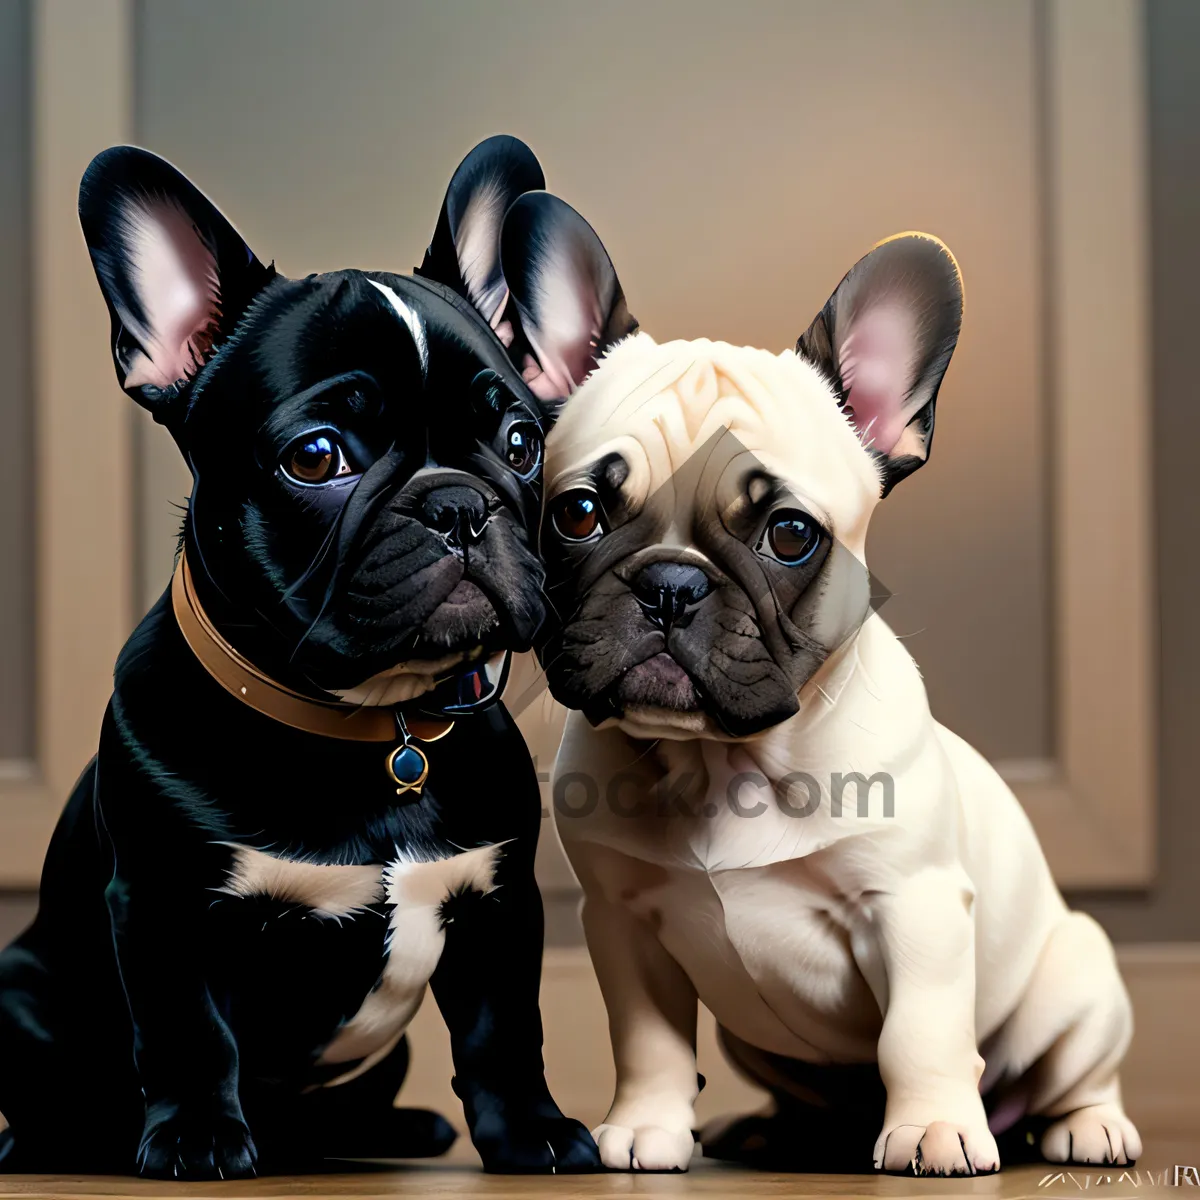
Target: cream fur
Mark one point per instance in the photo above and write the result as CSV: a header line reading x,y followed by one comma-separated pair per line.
x,y
405,681
330,891
914,939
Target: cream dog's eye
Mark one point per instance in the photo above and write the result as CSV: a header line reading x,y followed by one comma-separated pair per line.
x,y
576,515
793,537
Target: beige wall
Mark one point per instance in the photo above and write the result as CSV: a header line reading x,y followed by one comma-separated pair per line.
x,y
16,441
1170,910
735,162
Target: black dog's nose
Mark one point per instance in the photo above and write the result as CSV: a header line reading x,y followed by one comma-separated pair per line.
x,y
666,591
458,512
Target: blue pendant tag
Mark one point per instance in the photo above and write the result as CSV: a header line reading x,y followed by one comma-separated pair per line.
x,y
407,767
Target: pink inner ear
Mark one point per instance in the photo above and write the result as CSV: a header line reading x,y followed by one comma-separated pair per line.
x,y
475,242
176,280
877,362
545,385
501,325
565,333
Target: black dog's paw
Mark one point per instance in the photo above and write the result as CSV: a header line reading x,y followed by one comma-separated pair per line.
x,y
540,1146
415,1133
185,1147
387,1133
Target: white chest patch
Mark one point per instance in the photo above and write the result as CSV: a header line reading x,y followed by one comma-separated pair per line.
x,y
413,889
330,891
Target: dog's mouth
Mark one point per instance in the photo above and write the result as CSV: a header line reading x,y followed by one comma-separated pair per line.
x,y
459,632
409,680
660,683
412,615
466,615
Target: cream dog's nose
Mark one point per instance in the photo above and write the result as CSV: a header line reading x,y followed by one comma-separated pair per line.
x,y
667,590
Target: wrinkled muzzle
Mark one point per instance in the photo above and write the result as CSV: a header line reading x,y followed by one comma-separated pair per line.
x,y
442,573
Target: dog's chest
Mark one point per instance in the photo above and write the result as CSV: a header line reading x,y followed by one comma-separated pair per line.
x,y
711,807
768,951
409,893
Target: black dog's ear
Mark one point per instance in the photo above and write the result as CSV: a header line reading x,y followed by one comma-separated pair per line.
x,y
884,340
465,251
175,274
569,301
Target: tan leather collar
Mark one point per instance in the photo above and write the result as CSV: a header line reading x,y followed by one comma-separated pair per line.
x,y
241,678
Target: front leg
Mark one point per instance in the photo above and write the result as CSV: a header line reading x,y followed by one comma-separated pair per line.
x,y
652,1022
486,986
184,1051
651,1007
921,960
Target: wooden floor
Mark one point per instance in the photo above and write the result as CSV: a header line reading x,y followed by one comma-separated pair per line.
x,y
459,1175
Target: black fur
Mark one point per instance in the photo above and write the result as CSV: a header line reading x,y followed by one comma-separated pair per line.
x,y
150,1021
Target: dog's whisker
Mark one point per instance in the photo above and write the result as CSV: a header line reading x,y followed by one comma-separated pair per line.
x,y
318,559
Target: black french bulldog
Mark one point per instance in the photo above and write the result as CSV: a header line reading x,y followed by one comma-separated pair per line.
x,y
239,912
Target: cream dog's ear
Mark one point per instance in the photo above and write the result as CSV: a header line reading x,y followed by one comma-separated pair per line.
x,y
884,340
569,301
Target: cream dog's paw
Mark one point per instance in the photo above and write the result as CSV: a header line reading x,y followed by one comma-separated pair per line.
x,y
1100,1133
937,1148
646,1148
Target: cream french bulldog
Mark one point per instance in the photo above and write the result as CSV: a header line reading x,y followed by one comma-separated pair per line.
x,y
761,810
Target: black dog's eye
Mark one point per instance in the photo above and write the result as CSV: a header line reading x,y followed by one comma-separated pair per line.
x,y
576,515
316,458
793,537
523,448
